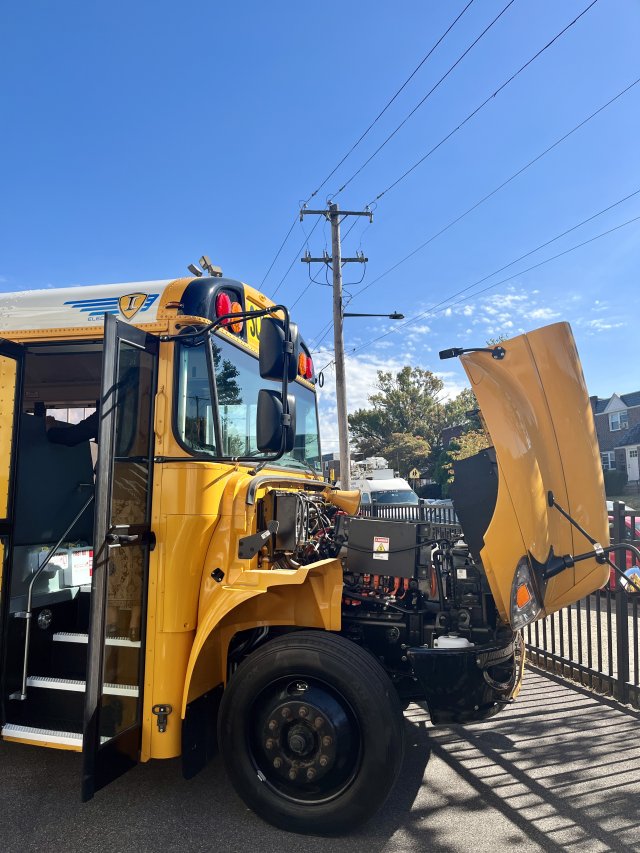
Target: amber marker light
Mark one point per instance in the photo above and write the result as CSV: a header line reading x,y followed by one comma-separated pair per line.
x,y
238,325
523,596
525,605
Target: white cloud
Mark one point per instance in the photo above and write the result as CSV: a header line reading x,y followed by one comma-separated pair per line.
x,y
542,314
362,376
599,324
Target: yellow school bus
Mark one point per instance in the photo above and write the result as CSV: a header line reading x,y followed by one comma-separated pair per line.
x,y
177,577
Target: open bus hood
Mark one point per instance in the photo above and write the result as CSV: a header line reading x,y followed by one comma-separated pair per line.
x,y
537,411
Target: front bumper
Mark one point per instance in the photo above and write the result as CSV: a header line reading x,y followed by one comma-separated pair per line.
x,y
464,685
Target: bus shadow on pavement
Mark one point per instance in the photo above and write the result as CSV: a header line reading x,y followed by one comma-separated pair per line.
x,y
153,808
554,771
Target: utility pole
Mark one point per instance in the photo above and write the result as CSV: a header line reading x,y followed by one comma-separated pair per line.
x,y
335,216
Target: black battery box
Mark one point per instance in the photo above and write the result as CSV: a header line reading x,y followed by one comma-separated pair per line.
x,y
391,548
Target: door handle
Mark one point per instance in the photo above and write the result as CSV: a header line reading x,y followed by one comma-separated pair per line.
x,y
116,540
122,539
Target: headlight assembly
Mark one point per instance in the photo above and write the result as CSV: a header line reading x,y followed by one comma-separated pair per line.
x,y
525,604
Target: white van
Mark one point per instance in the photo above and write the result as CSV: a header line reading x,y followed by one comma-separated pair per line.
x,y
394,490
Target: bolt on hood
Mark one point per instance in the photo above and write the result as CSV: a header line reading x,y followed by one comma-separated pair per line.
x,y
536,408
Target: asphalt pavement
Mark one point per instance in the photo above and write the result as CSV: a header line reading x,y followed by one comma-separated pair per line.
x,y
557,770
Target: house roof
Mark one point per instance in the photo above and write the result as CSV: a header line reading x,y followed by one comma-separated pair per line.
x,y
629,400
632,437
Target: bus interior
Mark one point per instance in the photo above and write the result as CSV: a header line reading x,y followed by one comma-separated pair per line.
x,y
45,662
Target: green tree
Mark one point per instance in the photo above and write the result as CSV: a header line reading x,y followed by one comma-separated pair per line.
x,y
406,451
406,418
226,374
461,447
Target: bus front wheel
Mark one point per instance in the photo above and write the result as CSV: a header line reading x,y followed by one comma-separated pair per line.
x,y
311,733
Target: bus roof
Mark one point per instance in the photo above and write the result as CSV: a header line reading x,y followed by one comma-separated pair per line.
x,y
74,307
79,311
76,313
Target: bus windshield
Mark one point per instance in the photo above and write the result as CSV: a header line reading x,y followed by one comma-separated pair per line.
x,y
237,383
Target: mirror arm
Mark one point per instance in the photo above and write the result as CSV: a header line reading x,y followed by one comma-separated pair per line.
x,y
288,351
288,354
220,321
600,554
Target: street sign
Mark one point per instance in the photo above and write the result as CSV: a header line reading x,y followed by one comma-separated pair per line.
x,y
414,474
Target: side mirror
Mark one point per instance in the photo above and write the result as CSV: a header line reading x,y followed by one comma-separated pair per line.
x,y
269,426
272,349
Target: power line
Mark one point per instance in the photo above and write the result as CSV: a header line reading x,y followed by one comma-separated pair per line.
x,y
322,334
388,104
312,280
498,188
295,258
277,255
546,261
373,123
447,303
484,103
428,95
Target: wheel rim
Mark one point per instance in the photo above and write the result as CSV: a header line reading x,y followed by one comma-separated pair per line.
x,y
304,739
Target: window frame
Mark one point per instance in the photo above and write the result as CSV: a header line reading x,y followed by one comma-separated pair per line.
x,y
619,415
204,456
193,454
611,456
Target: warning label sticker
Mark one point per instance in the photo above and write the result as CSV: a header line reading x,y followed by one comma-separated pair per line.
x,y
380,547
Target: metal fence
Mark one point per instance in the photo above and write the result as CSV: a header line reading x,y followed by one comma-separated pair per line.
x,y
596,640
434,513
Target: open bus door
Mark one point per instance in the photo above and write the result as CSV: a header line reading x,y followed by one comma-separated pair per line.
x,y
11,378
122,541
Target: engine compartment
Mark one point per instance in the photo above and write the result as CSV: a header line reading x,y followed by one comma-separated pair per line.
x,y
407,584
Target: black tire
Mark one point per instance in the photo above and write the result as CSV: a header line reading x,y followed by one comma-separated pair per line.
x,y
318,706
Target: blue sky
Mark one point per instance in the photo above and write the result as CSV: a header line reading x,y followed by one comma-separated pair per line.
x,y
137,136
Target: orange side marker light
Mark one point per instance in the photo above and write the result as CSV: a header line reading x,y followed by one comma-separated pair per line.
x,y
523,596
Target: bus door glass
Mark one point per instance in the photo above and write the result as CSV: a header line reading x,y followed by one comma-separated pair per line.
x,y
123,538
11,370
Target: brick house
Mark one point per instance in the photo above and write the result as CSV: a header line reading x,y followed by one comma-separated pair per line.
x,y
618,427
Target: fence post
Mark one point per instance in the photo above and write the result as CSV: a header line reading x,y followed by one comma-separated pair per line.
x,y
622,610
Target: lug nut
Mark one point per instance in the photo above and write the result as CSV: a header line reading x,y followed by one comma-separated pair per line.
x,y
311,774
277,763
323,761
303,712
293,773
326,740
269,743
286,713
318,722
273,725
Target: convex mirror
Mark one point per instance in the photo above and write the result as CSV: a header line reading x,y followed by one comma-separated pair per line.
x,y
272,350
271,433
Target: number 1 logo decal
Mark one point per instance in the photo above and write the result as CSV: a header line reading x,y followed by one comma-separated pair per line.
x,y
130,304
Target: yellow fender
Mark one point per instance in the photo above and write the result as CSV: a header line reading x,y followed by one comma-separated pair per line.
x,y
307,597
